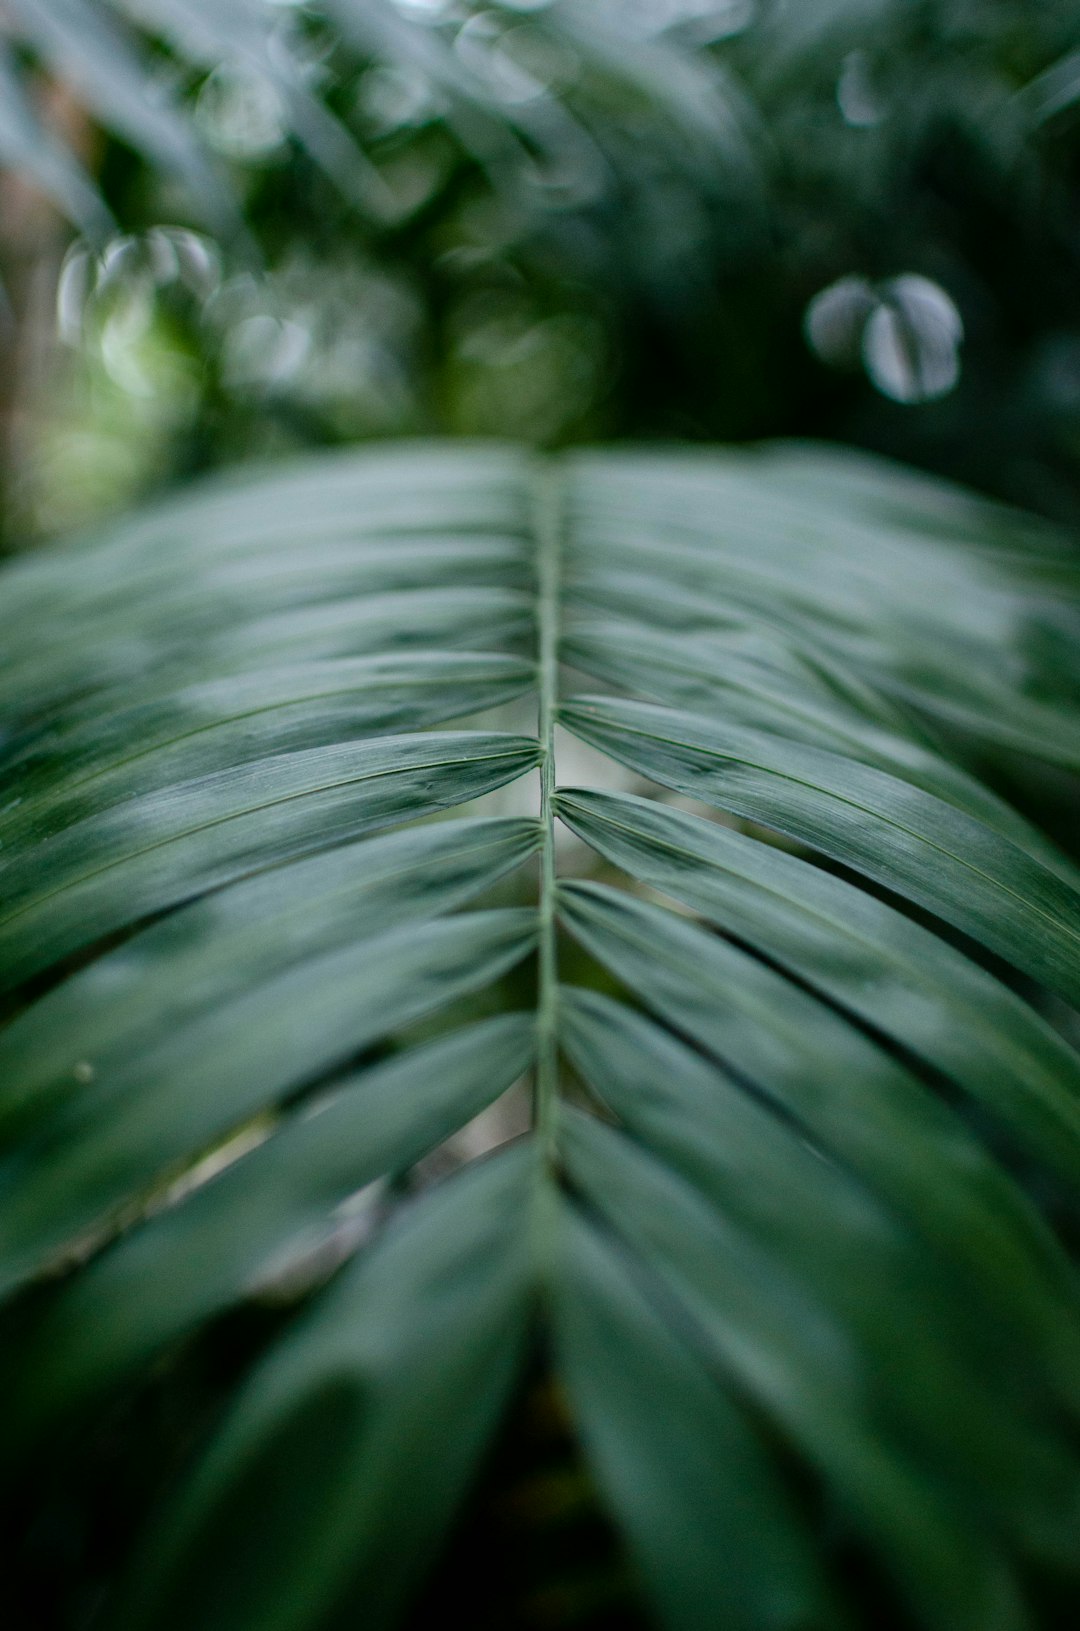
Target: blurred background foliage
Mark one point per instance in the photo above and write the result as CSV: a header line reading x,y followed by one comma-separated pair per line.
x,y
231,228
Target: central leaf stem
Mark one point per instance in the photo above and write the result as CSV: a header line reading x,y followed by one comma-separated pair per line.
x,y
547,530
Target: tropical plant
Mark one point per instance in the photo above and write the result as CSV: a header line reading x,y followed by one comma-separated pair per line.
x,y
790,1226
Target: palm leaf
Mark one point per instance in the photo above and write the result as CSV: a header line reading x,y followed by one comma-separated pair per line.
x,y
791,1227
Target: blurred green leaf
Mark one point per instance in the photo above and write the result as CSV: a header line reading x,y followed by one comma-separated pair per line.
x,y
792,1225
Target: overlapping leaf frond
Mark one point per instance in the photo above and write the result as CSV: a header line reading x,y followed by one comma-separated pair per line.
x,y
791,1226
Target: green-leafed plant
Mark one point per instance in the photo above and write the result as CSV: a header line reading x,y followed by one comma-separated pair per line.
x,y
789,1230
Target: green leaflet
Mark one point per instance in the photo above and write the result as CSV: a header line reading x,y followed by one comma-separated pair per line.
x,y
227,722
220,948
878,1350
959,607
850,1097
805,705
792,1253
711,1528
115,1140
236,1230
753,1324
354,626
895,975
746,662
159,598
148,853
924,849
377,1410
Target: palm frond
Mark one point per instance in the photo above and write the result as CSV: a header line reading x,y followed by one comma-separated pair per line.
x,y
792,1225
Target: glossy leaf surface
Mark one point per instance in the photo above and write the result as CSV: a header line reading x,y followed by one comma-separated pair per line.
x,y
284,944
